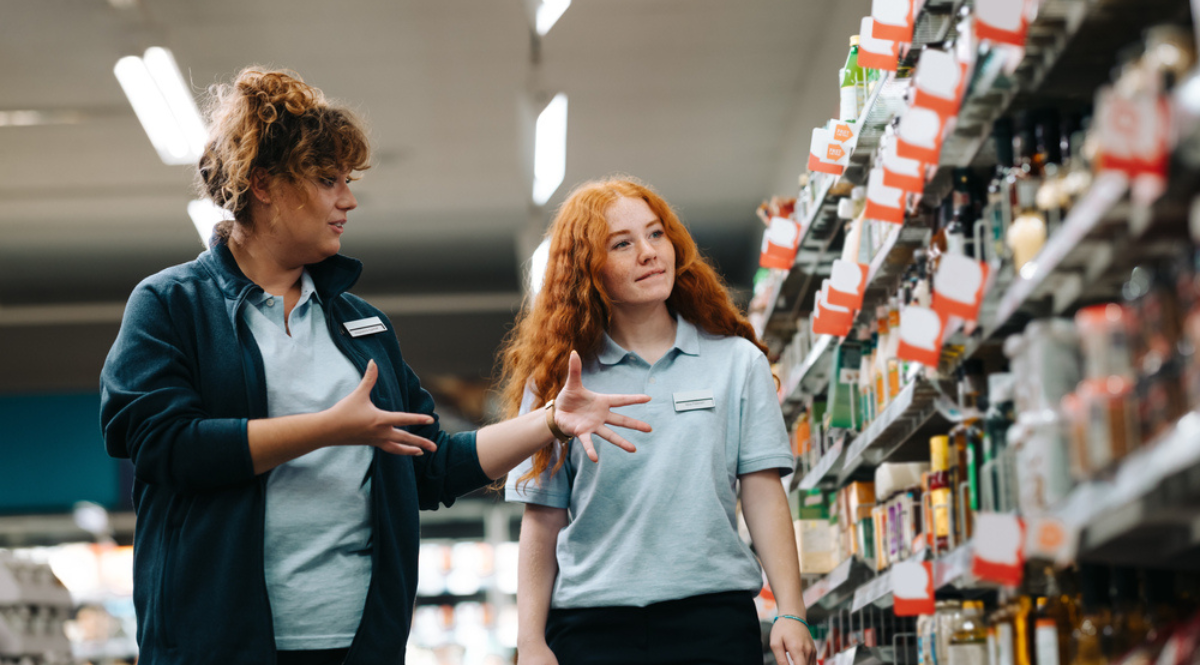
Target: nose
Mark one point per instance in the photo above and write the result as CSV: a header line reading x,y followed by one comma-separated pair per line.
x,y
646,251
347,201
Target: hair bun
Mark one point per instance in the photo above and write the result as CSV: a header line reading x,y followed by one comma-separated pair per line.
x,y
276,92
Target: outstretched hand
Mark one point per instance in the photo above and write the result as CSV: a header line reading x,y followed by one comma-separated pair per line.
x,y
360,422
581,412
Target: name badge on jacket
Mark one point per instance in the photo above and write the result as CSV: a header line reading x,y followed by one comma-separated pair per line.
x,y
367,326
694,399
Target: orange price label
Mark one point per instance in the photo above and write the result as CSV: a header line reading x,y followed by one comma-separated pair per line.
x,y
835,152
842,133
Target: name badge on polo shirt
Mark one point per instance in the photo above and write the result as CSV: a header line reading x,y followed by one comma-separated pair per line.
x,y
694,399
367,326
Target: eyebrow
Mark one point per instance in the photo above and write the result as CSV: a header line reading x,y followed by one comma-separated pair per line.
x,y
648,225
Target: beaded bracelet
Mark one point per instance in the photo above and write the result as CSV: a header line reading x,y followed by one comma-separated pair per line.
x,y
791,616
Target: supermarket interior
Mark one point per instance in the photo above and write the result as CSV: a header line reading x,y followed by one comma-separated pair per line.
x,y
967,232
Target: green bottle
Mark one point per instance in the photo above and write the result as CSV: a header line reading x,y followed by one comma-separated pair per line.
x,y
853,85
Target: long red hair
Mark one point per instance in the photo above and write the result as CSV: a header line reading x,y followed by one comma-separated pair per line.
x,y
572,310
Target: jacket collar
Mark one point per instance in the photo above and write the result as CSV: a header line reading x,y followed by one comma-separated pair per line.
x,y
687,341
331,277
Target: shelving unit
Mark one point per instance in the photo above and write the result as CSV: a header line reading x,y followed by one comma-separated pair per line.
x,y
1144,511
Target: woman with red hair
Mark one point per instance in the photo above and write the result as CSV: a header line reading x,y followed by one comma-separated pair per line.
x,y
636,558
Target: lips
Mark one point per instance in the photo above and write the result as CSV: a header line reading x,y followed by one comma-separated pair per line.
x,y
339,227
648,275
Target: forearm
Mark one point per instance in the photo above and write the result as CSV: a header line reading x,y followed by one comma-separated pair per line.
x,y
274,441
504,445
764,505
537,568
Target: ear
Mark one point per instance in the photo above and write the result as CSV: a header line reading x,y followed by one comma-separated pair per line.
x,y
261,185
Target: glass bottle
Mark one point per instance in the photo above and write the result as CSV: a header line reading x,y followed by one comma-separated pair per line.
x,y
940,499
1053,625
968,641
1022,618
999,417
853,82
1095,619
1130,626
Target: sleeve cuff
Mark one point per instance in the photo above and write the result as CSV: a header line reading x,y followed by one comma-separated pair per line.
x,y
540,497
785,463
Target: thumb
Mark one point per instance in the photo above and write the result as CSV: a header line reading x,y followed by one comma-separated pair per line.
x,y
369,377
574,370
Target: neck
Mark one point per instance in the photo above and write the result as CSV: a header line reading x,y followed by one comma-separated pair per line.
x,y
648,331
261,265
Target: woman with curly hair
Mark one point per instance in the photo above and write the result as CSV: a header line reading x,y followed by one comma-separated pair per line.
x,y
282,446
637,559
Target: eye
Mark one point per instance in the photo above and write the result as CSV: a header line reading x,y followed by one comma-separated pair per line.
x,y
620,243
658,234
328,182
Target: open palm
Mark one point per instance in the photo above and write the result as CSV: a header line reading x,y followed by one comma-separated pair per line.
x,y
582,412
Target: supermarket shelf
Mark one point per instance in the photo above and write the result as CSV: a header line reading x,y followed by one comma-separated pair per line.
x,y
820,224
811,377
836,588
1147,511
1067,250
825,470
864,655
877,592
910,413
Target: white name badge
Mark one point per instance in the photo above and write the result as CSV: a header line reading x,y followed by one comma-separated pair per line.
x,y
367,326
694,399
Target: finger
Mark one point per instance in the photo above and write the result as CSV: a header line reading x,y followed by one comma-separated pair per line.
x,y
781,654
586,440
625,400
574,371
369,377
393,448
400,436
613,438
402,419
619,420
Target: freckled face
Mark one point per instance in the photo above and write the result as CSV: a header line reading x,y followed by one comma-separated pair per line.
x,y
640,266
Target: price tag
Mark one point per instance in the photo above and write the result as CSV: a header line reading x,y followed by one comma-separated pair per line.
x,y
830,319
939,82
958,286
781,241
875,52
1049,539
848,283
912,588
1002,21
901,173
998,555
921,331
884,204
829,151
919,135
1133,133
892,19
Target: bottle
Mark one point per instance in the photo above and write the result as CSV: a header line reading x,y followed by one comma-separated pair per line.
x,y
1052,632
1022,618
967,442
946,616
940,499
999,417
894,372
853,81
1095,620
881,385
968,641
1001,620
1027,233
1130,627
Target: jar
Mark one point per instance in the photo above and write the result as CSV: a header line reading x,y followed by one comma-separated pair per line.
x,y
1104,332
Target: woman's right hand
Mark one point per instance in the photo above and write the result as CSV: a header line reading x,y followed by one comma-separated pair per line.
x,y
357,421
536,654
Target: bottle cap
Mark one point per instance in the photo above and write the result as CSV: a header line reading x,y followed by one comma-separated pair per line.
x,y
854,40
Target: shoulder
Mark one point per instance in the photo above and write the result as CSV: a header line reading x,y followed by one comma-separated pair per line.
x,y
734,346
179,284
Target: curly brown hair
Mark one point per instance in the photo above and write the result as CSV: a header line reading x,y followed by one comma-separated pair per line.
x,y
272,120
572,311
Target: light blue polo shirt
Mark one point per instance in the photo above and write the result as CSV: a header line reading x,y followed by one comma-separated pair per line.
x,y
660,524
317,545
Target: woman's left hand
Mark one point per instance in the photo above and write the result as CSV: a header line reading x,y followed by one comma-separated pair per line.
x,y
791,638
581,412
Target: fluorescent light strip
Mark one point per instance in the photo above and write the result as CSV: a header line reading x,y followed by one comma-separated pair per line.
x,y
548,14
163,105
205,214
537,268
550,149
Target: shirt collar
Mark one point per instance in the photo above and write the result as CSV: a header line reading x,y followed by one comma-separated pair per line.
x,y
687,341
308,289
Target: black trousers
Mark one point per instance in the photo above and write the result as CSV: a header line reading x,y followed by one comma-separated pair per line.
x,y
313,657
712,629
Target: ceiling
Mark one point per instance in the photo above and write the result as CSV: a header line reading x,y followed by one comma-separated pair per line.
x,y
710,101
